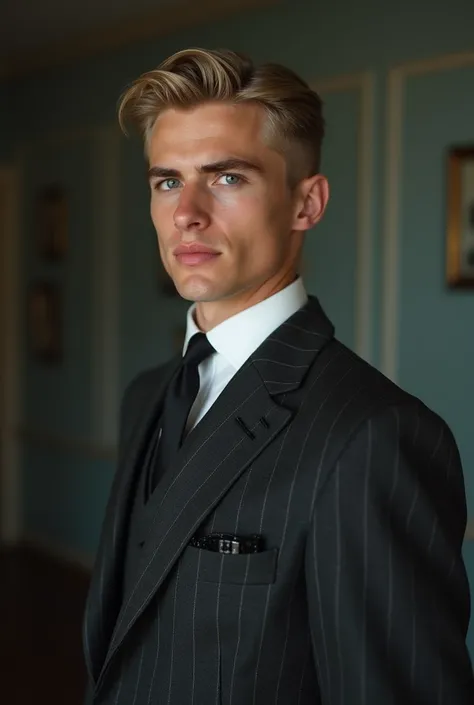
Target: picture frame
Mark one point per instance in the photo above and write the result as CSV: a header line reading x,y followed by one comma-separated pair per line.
x,y
45,322
460,218
52,223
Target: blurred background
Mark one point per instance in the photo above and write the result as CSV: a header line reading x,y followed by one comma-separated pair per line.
x,y
85,304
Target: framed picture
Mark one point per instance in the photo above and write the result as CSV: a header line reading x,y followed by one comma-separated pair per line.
x,y
45,322
460,218
52,224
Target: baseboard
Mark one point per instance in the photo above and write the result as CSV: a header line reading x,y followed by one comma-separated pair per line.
x,y
59,552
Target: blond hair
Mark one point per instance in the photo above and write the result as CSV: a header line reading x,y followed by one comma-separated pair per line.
x,y
193,76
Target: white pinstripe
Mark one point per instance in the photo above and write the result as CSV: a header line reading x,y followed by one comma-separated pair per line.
x,y
119,686
262,634
194,628
337,587
304,330
239,629
218,679
264,622
305,666
363,679
158,619
173,635
139,674
292,347
288,621
328,437
239,626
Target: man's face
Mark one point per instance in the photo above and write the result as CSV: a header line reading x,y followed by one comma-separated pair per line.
x,y
221,204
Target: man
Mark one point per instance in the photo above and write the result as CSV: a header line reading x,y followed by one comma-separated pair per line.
x,y
286,524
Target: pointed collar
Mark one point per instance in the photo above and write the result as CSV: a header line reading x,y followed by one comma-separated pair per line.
x,y
239,336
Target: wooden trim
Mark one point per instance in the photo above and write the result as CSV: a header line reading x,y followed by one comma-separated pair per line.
x,y
396,84
364,84
435,64
158,23
454,276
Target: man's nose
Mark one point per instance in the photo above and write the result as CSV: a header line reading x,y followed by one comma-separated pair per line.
x,y
192,212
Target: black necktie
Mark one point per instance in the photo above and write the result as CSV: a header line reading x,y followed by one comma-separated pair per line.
x,y
179,398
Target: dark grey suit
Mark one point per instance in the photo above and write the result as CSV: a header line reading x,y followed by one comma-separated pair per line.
x,y
360,597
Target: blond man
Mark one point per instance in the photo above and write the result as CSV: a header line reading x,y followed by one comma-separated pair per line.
x,y
285,525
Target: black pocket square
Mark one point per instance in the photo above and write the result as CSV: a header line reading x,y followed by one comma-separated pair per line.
x,y
229,543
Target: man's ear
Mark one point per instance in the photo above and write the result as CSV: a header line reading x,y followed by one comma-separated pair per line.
x,y
312,202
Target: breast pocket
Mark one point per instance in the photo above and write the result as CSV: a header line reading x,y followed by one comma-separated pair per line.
x,y
241,569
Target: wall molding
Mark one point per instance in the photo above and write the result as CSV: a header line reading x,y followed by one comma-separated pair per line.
x,y
396,81
106,287
364,83
10,393
105,275
117,35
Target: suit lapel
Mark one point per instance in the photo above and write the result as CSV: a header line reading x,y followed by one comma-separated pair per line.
x,y
285,356
237,428
102,608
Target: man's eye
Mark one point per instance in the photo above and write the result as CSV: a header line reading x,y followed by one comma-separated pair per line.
x,y
230,179
167,184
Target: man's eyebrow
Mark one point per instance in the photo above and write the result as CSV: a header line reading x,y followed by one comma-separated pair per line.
x,y
223,165
231,164
163,173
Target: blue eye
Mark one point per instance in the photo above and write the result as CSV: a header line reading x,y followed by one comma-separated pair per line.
x,y
168,184
231,179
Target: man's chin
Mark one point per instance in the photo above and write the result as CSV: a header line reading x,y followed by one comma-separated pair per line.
x,y
198,293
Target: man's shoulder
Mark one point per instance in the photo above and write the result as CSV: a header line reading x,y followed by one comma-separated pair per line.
x,y
362,381
370,393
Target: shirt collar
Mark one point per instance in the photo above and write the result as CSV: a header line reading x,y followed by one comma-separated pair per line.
x,y
239,336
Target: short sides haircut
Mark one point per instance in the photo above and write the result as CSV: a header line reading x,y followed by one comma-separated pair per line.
x,y
294,123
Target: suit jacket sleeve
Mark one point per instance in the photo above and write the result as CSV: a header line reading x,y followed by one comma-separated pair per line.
x,y
387,590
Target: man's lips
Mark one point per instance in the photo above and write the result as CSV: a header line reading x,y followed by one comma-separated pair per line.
x,y
194,254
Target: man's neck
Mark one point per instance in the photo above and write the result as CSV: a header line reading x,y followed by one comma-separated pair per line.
x,y
209,314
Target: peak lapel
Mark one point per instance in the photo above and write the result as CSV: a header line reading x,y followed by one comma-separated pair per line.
x,y
284,357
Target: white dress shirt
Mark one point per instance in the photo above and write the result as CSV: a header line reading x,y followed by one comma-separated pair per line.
x,y
235,339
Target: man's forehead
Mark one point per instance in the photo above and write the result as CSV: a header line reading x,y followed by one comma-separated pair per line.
x,y
210,120
208,134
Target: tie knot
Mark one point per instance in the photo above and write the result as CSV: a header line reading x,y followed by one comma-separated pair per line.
x,y
199,348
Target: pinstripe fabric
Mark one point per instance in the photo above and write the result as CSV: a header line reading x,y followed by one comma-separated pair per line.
x,y
360,596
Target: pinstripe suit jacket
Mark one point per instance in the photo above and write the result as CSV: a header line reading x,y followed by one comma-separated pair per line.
x,y
360,596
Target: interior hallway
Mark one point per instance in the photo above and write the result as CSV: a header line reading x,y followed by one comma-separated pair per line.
x,y
41,607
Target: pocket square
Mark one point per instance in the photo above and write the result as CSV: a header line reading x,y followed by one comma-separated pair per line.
x,y
229,543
